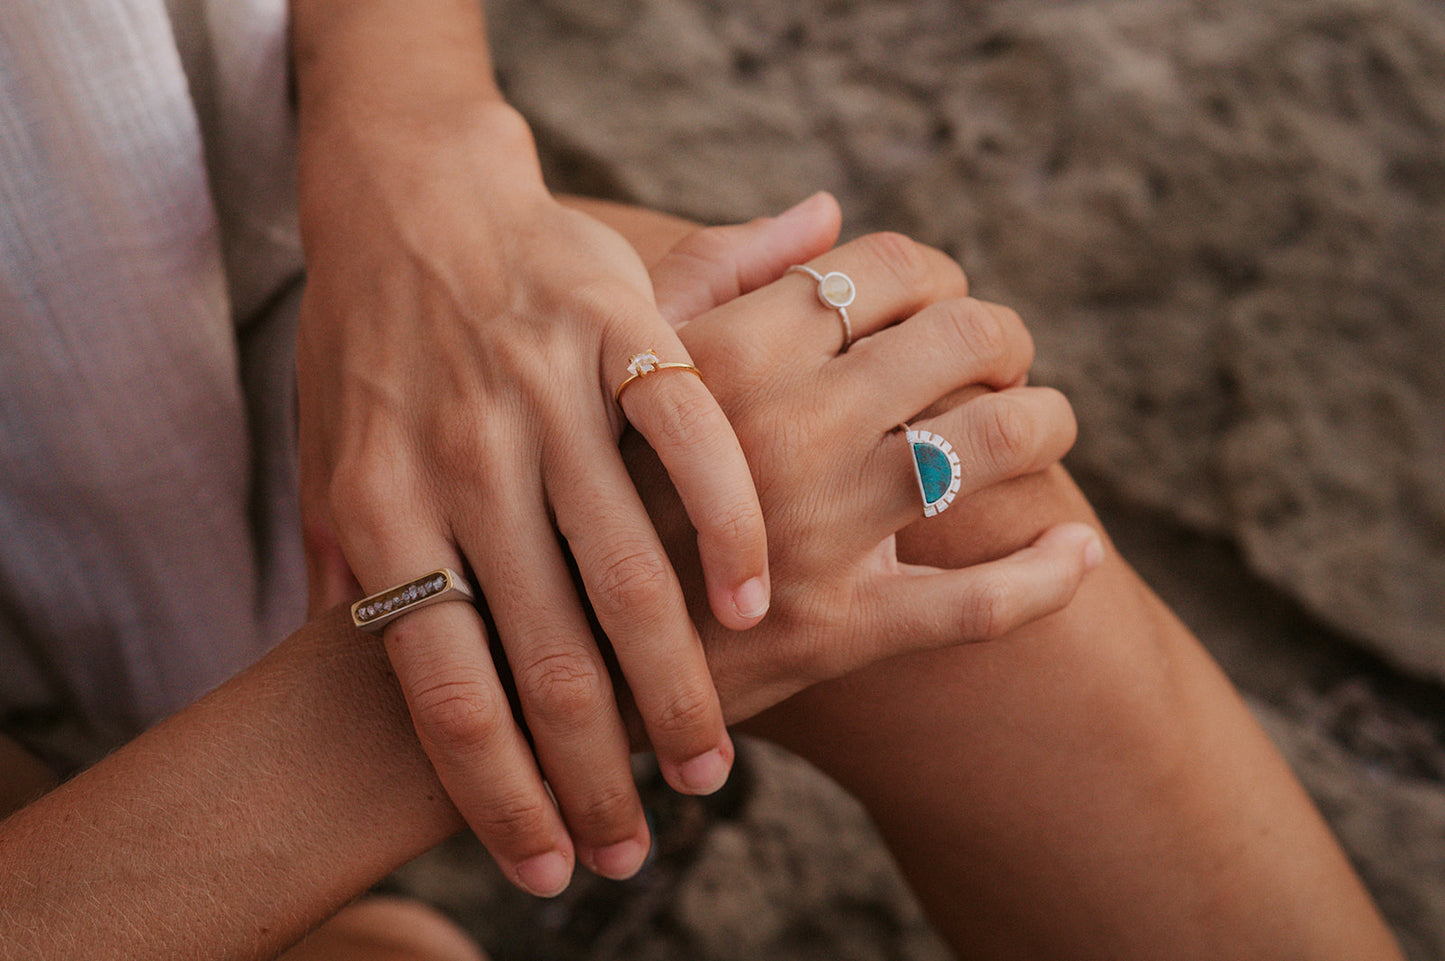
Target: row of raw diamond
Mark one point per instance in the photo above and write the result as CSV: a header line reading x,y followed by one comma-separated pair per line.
x,y
406,595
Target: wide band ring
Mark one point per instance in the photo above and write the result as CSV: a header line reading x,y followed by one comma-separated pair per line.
x,y
836,290
937,469
373,613
646,363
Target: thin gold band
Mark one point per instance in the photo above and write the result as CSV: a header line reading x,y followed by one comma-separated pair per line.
x,y
671,365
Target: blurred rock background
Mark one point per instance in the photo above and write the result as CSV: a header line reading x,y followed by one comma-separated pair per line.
x,y
1224,221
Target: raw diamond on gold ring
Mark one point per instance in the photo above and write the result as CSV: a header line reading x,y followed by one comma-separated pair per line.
x,y
643,363
646,363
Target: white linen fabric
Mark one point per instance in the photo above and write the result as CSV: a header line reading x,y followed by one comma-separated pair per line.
x,y
149,274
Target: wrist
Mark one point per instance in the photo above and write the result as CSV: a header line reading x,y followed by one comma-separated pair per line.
x,y
403,70
378,52
358,171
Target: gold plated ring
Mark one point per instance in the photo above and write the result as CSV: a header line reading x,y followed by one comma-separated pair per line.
x,y
373,613
646,363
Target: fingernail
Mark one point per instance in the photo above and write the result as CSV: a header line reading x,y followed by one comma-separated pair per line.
x,y
545,875
705,773
1093,553
751,600
621,860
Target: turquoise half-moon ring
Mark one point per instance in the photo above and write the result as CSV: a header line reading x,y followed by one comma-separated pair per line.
x,y
937,469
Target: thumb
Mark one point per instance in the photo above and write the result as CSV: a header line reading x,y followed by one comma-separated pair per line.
x,y
711,266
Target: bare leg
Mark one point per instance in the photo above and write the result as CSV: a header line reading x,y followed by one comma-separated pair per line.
x,y
1091,787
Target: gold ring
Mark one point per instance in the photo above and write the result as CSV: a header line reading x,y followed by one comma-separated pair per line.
x,y
373,613
646,363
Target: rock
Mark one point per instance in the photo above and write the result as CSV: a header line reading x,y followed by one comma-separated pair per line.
x,y
1224,220
1390,823
801,875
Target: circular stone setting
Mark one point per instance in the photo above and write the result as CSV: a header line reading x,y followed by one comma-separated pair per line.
x,y
836,289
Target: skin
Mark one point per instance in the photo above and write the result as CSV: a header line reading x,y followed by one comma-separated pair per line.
x,y
303,774
1088,786
462,337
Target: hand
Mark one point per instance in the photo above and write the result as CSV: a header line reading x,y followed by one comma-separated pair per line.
x,y
463,336
834,472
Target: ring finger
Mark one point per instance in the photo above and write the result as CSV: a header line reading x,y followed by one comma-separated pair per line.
x,y
892,277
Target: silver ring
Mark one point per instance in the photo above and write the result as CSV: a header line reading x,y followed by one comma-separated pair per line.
x,y
936,466
836,290
373,613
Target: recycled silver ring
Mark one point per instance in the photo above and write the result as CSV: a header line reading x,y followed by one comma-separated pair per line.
x,y
836,290
937,469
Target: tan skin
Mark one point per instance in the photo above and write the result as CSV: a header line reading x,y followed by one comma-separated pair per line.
x,y
462,336
1089,786
302,775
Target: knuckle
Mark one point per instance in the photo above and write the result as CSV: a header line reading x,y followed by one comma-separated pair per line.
x,y
902,256
631,581
683,417
736,522
607,812
459,717
987,612
1020,332
1068,425
1008,434
684,712
471,453
981,335
710,247
512,822
362,494
562,688
812,655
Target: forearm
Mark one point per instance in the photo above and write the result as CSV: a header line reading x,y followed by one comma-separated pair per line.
x,y
1090,786
390,57
234,827
398,103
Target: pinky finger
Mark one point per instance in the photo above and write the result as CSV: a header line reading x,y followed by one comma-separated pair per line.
x,y
987,601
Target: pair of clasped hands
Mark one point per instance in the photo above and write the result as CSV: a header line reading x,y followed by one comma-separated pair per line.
x,y
464,417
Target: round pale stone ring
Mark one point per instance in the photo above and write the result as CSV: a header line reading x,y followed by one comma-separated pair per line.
x,y
836,291
937,469
373,613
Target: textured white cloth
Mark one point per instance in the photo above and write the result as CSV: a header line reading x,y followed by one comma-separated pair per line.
x,y
149,271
